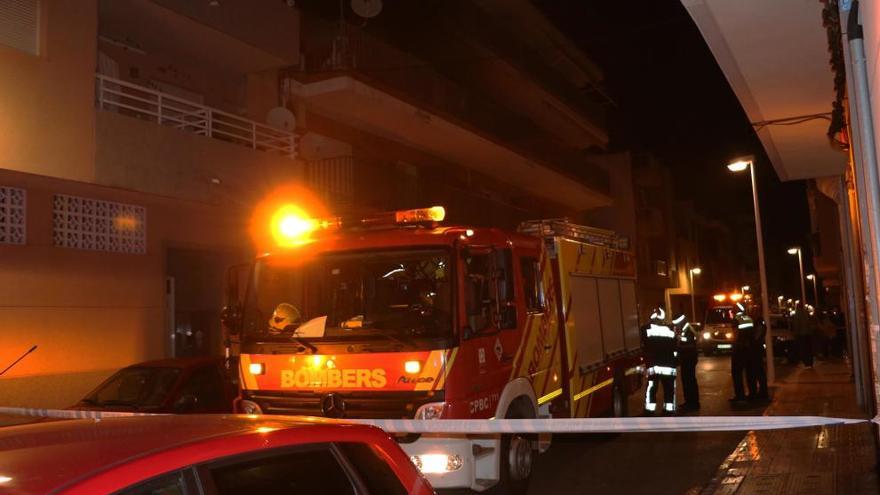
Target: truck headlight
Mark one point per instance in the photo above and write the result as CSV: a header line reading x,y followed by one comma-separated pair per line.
x,y
707,335
431,410
437,463
257,368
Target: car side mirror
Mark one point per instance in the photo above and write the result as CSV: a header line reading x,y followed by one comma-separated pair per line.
x,y
186,403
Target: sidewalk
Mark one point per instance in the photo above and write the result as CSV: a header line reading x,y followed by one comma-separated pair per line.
x,y
805,461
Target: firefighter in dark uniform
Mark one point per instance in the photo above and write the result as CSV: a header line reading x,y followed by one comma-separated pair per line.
x,y
756,373
743,344
659,350
687,361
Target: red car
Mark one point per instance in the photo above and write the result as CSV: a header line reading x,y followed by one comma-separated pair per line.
x,y
179,385
207,454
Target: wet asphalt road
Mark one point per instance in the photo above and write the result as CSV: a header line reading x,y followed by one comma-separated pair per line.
x,y
646,463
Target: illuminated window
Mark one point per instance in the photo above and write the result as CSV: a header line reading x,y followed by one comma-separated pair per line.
x,y
84,223
19,25
12,215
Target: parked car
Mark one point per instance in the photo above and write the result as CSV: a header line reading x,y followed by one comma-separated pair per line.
x,y
180,385
215,454
783,337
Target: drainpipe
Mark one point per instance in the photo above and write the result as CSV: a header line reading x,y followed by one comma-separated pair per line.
x,y
867,185
857,342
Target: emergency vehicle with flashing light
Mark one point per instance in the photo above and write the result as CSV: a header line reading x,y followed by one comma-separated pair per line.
x,y
719,326
395,316
212,453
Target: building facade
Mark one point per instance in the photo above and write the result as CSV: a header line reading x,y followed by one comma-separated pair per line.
x,y
138,135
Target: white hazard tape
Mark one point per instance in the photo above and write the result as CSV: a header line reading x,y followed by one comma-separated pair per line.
x,y
604,425
495,426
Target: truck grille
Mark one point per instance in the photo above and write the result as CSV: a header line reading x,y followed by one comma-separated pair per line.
x,y
367,405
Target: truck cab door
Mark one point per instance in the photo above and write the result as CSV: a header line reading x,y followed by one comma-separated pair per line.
x,y
489,335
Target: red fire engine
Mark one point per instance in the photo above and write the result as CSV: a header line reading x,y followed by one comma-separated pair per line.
x,y
395,316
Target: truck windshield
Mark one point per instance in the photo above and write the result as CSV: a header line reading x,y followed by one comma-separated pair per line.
x,y
388,295
720,315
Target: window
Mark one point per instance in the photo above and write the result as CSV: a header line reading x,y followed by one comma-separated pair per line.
x,y
19,25
166,484
477,291
12,215
372,469
489,290
85,223
206,385
533,284
136,387
291,473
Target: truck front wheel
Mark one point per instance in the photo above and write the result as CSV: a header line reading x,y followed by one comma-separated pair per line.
x,y
518,454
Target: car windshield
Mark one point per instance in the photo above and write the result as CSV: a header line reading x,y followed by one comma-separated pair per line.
x,y
140,387
720,315
388,295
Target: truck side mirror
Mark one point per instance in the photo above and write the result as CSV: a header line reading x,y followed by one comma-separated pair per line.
x,y
506,316
232,314
231,317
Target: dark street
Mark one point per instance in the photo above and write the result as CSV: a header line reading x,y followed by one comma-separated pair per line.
x,y
662,463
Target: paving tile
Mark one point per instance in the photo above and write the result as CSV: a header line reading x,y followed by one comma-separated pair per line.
x,y
825,460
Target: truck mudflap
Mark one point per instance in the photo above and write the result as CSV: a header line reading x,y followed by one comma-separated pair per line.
x,y
470,462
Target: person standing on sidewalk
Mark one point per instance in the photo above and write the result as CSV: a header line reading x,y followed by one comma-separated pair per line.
x,y
743,341
659,351
687,361
756,372
804,327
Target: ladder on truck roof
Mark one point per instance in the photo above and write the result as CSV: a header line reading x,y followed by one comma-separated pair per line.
x,y
563,227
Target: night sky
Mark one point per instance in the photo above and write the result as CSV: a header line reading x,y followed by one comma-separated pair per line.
x,y
673,100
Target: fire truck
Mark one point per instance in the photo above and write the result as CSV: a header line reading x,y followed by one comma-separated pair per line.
x,y
398,316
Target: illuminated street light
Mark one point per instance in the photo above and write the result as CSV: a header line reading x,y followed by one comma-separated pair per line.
x,y
797,250
740,165
692,272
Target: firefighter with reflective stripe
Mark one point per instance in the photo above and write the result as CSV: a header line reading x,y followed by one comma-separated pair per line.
x,y
659,352
743,341
687,361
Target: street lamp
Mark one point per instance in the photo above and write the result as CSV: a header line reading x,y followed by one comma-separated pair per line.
x,y
797,250
812,277
692,272
740,165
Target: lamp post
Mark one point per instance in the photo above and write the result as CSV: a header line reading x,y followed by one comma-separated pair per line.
x,y
812,277
740,165
797,250
692,272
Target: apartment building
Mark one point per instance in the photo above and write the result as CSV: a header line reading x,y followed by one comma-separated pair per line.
x,y
138,135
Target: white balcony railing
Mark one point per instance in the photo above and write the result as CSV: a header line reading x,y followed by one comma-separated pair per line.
x,y
164,109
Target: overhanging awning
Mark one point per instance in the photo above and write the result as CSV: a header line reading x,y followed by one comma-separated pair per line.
x,y
775,57
363,106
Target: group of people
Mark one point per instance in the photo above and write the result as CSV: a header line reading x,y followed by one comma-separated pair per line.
x,y
814,332
667,347
670,346
747,358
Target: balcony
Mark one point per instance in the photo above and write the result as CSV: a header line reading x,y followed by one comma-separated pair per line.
x,y
157,143
164,109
